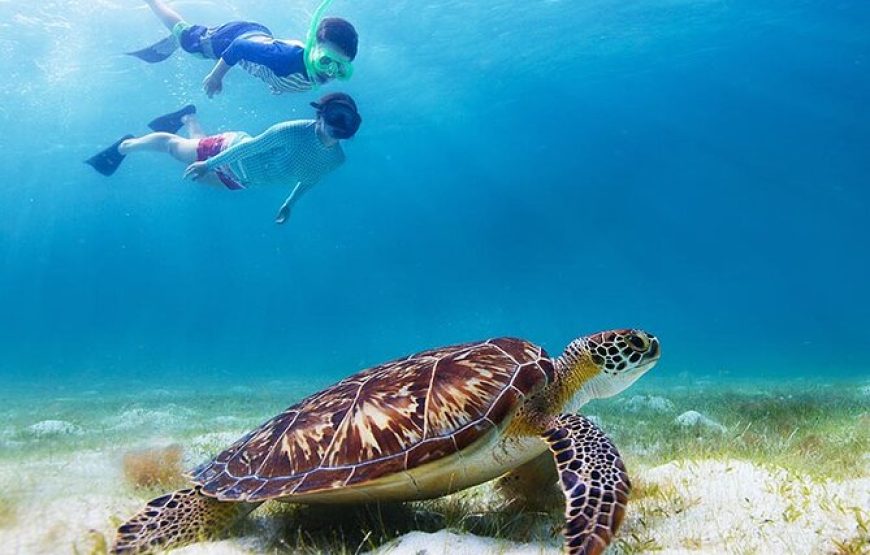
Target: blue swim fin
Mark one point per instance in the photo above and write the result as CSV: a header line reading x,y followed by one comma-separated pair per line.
x,y
107,161
158,51
171,123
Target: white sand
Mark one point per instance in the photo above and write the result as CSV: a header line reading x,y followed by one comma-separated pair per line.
x,y
448,543
58,501
734,506
703,507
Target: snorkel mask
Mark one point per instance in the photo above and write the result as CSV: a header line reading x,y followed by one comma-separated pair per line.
x,y
326,61
321,60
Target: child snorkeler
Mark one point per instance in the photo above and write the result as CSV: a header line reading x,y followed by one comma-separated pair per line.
x,y
284,65
294,154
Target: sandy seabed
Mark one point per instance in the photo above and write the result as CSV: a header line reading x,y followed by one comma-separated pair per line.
x,y
69,500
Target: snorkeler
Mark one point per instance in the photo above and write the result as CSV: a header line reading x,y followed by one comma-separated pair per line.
x,y
292,153
284,65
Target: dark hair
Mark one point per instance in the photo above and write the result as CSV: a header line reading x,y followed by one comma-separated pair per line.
x,y
340,33
339,97
347,119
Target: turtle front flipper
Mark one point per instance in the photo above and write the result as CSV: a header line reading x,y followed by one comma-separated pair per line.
x,y
178,518
594,482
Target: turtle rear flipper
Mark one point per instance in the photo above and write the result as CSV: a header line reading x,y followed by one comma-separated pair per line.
x,y
594,482
179,518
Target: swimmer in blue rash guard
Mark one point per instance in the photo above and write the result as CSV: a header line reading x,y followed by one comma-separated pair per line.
x,y
284,65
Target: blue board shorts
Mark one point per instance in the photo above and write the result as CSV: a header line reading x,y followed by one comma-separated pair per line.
x,y
211,42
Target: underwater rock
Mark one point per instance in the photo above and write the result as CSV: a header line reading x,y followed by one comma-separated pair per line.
x,y
6,433
54,428
691,418
652,403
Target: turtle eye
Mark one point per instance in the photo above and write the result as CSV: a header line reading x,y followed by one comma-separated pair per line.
x,y
638,342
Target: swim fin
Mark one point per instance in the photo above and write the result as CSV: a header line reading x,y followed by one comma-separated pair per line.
x,y
158,51
107,161
171,123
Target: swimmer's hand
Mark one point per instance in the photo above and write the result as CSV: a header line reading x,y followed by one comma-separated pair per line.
x,y
196,170
212,85
283,213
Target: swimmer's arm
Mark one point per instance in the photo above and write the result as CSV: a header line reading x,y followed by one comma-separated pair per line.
x,y
213,82
298,191
282,57
239,49
310,177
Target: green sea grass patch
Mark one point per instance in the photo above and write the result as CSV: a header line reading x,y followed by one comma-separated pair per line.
x,y
818,429
93,543
154,468
348,530
822,432
859,543
8,511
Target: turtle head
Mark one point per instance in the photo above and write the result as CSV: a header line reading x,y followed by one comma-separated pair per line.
x,y
605,363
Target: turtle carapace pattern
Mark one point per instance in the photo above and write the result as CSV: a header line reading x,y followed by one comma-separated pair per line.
x,y
391,418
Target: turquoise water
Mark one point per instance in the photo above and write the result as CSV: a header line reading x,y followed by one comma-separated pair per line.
x,y
542,169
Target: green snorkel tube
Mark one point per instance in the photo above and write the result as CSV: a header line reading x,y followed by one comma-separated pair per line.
x,y
336,67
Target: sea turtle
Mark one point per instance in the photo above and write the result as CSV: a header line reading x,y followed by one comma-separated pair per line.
x,y
420,427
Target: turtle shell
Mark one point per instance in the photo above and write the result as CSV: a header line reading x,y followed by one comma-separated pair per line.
x,y
387,419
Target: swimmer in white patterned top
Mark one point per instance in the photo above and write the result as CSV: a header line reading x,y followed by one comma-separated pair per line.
x,y
295,154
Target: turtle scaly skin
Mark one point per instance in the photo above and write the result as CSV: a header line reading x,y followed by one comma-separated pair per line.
x,y
421,427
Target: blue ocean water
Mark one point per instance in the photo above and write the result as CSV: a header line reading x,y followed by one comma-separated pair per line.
x,y
542,169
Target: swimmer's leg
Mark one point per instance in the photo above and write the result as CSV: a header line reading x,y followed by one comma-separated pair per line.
x,y
158,51
171,123
163,48
194,129
180,148
107,161
169,17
